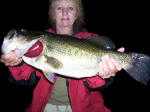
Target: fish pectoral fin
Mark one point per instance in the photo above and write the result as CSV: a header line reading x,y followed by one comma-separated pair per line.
x,y
49,75
53,62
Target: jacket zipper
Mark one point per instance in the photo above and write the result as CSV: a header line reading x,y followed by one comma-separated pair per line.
x,y
67,83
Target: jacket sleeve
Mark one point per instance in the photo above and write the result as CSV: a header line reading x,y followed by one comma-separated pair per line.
x,y
23,74
97,83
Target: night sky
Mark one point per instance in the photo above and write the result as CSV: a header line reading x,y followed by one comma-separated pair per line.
x,y
125,22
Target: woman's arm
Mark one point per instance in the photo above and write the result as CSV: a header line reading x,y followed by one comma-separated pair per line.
x,y
20,72
107,69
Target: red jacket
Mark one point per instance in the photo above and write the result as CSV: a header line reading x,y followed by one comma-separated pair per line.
x,y
82,99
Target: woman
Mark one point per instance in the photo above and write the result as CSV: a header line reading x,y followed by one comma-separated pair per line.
x,y
66,16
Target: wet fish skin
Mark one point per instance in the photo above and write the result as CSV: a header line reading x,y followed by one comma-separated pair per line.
x,y
73,57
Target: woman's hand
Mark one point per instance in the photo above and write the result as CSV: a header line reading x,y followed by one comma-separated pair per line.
x,y
109,67
10,59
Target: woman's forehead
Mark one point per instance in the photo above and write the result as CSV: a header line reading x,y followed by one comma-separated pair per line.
x,y
65,2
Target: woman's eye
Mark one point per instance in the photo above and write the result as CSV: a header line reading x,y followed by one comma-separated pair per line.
x,y
59,8
70,8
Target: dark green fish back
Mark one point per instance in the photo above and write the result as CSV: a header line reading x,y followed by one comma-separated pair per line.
x,y
103,42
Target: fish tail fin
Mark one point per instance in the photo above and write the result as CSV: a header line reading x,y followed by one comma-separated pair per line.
x,y
139,68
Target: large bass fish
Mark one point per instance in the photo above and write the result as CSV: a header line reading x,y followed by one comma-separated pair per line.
x,y
73,57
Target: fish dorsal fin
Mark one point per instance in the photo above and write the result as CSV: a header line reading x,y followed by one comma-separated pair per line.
x,y
102,41
53,62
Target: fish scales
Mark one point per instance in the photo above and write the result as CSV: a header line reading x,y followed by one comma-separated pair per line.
x,y
73,57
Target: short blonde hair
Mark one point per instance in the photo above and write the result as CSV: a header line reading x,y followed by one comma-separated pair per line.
x,y
80,13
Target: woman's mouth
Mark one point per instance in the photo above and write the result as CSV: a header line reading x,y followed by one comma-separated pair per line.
x,y
65,19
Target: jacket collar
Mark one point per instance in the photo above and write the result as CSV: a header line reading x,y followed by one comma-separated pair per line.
x,y
78,30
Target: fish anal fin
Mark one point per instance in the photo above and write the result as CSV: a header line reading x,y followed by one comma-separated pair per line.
x,y
49,75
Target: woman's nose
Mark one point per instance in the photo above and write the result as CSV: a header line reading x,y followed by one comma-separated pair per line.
x,y
65,11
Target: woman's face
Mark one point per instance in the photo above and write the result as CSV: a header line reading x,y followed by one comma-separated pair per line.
x,y
65,13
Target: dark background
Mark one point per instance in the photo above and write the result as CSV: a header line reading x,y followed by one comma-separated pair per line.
x,y
125,22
